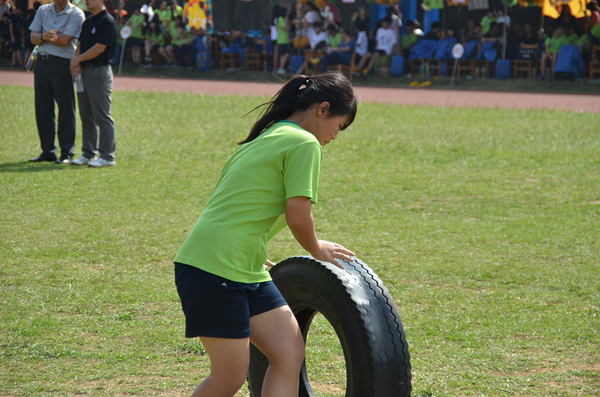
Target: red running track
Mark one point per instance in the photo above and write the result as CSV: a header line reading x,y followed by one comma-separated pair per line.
x,y
402,96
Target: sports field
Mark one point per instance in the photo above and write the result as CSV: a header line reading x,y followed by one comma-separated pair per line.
x,y
483,223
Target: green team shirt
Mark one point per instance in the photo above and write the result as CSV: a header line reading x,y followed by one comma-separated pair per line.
x,y
336,40
486,23
135,19
164,15
247,207
595,30
569,40
553,44
409,39
156,38
283,36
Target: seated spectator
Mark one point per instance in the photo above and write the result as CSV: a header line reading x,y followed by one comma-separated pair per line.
x,y
386,43
155,43
518,31
568,36
183,43
494,34
435,33
585,46
409,39
486,22
594,34
318,39
530,35
334,37
236,45
341,54
501,18
551,49
472,31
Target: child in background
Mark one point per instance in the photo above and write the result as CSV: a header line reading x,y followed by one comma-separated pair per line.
x,y
183,43
155,43
283,39
551,49
486,22
226,292
334,38
409,39
136,39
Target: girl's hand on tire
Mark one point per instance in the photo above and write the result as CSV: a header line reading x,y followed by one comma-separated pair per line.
x,y
329,252
269,264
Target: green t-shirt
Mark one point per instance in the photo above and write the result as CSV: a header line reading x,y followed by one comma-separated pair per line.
x,y
164,15
283,36
595,30
568,40
181,39
336,40
134,20
247,206
585,43
409,39
486,23
553,44
156,38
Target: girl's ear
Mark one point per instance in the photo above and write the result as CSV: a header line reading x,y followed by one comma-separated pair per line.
x,y
323,109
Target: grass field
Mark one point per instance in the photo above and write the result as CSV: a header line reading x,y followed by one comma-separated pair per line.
x,y
483,223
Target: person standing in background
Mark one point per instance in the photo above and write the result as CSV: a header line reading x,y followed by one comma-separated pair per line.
x,y
95,49
55,29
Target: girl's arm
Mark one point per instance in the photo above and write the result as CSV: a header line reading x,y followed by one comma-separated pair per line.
x,y
299,218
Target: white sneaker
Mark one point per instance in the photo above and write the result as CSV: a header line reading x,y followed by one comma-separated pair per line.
x,y
100,162
81,161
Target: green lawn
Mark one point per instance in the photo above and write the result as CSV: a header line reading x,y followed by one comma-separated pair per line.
x,y
483,223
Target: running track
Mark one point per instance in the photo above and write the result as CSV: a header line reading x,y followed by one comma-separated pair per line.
x,y
404,96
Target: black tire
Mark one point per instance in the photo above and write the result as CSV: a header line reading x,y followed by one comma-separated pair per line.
x,y
363,315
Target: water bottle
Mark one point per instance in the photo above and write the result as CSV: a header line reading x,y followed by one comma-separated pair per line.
x,y
265,66
32,60
78,83
427,70
483,73
477,73
533,73
422,70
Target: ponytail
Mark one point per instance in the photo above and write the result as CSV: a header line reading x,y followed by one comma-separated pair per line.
x,y
300,93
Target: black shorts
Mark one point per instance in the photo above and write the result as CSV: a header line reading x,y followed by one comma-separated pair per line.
x,y
134,41
220,308
381,53
284,49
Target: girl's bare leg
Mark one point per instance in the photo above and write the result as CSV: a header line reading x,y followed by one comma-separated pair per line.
x,y
277,335
229,361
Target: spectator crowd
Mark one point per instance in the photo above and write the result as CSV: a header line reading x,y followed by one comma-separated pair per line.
x,y
167,34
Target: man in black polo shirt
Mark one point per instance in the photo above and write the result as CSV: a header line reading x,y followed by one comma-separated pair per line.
x,y
96,47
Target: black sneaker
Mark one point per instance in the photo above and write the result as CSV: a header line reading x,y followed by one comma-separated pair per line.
x,y
49,157
64,159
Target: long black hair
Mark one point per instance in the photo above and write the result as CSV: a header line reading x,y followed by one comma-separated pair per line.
x,y
300,93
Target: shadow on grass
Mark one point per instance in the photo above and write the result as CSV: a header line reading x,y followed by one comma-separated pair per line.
x,y
25,166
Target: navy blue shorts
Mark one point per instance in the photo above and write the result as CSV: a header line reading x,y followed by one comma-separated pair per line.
x,y
220,308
